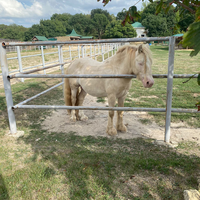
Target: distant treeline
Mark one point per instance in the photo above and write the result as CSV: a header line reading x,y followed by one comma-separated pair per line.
x,y
100,24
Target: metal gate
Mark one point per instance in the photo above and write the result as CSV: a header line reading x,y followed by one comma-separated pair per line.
x,y
169,76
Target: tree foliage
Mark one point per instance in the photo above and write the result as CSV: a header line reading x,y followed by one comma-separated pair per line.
x,y
192,6
100,11
100,22
161,24
12,31
121,15
116,30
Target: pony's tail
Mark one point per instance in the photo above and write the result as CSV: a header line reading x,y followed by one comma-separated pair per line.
x,y
67,94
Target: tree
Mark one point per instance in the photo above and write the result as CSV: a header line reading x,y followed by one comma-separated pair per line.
x,y
158,25
61,17
81,23
193,6
100,22
121,15
12,31
185,20
64,19
116,30
100,11
47,28
52,28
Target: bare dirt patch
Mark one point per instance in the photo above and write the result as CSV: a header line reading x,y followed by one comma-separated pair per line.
x,y
97,121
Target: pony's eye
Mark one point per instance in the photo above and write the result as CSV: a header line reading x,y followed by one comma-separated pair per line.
x,y
140,64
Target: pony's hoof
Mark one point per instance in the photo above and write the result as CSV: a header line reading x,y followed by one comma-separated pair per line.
x,y
83,118
122,128
73,119
111,131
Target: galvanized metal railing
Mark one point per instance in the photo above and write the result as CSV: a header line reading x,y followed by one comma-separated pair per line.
x,y
169,76
46,65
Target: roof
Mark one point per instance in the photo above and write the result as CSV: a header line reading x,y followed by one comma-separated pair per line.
x,y
74,34
137,25
41,38
179,35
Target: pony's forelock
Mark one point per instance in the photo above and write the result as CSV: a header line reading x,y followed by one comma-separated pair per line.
x,y
146,51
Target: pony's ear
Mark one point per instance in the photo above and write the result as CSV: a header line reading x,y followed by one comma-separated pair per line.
x,y
140,50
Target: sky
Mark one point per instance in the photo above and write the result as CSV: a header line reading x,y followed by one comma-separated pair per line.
x,y
29,12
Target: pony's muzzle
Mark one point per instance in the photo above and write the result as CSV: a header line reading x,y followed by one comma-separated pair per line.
x,y
148,82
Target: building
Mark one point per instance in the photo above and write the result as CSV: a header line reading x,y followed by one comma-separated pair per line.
x,y
39,38
140,29
74,36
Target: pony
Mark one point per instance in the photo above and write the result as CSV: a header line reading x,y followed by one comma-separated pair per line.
x,y
135,60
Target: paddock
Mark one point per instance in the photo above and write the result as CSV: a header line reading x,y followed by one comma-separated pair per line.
x,y
7,86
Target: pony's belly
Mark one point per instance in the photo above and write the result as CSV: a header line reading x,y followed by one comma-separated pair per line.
x,y
95,93
93,87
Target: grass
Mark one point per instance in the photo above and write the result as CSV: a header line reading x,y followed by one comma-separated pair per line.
x,y
50,165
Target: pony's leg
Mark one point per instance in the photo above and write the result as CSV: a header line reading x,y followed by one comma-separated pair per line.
x,y
73,97
79,113
120,126
110,128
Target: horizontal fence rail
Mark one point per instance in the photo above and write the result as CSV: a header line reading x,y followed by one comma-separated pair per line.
x,y
37,95
119,40
94,76
104,108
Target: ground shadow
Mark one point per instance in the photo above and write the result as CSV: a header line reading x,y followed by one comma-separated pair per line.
x,y
164,48
3,190
129,167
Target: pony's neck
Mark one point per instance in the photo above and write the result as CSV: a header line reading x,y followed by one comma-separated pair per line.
x,y
122,62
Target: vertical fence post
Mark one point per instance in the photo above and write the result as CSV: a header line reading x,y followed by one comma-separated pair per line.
x,y
20,61
90,51
61,58
79,51
60,53
112,49
70,53
85,48
102,53
43,60
95,57
82,51
169,88
108,50
7,88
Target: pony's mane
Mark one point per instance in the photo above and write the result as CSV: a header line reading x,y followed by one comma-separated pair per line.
x,y
126,47
131,48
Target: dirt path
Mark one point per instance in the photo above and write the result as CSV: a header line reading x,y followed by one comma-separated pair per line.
x,y
97,122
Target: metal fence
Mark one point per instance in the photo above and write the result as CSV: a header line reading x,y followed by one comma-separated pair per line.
x,y
99,43
79,50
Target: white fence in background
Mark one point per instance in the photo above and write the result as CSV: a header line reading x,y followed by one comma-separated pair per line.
x,y
91,50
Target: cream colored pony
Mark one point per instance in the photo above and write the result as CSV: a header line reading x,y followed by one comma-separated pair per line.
x,y
128,60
